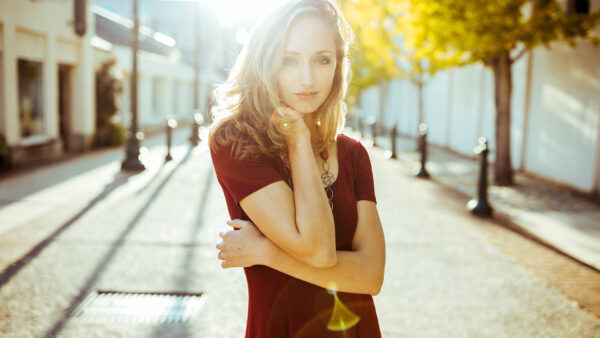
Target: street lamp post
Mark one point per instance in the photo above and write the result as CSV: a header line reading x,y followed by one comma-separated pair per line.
x,y
195,125
132,152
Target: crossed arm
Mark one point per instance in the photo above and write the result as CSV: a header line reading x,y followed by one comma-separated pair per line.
x,y
299,222
294,231
358,271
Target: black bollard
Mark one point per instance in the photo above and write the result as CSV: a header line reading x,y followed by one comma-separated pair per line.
x,y
361,127
171,124
372,121
422,171
480,206
197,121
393,135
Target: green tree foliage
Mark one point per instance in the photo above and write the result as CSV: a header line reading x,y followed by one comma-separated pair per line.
x,y
108,87
380,54
374,53
442,33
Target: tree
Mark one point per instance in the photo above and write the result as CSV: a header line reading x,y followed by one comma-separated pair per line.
x,y
380,54
108,87
496,33
374,53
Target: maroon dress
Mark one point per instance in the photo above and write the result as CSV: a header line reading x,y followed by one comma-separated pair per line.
x,y
281,305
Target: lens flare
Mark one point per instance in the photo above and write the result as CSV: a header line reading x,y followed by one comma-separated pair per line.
x,y
342,318
285,124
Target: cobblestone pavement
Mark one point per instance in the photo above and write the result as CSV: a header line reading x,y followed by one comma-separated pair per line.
x,y
83,225
556,216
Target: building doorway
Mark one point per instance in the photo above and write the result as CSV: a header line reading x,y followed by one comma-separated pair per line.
x,y
31,116
65,102
2,103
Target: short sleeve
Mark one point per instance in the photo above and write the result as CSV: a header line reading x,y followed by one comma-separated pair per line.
x,y
242,177
363,175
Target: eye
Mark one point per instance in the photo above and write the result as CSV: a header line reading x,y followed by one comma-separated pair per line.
x,y
323,60
288,61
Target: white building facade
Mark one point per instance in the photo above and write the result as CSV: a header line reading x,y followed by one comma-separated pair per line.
x,y
47,77
46,80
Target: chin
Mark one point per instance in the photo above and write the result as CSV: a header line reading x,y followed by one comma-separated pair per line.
x,y
302,109
305,108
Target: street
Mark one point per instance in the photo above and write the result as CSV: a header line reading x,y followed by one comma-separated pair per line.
x,y
81,225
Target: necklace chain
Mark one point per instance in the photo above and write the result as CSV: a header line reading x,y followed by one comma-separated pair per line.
x,y
327,177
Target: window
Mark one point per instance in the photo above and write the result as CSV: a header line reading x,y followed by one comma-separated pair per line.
x,y
30,98
578,7
2,127
157,92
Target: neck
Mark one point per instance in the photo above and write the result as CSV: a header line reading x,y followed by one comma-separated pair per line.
x,y
309,120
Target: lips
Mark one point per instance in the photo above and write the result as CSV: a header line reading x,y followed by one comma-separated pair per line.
x,y
306,95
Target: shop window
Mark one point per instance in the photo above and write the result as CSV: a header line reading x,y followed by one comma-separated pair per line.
x,y
578,7
30,98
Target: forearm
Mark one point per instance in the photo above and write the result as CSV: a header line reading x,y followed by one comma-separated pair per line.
x,y
314,218
355,271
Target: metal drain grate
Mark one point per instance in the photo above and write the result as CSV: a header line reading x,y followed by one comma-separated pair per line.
x,y
136,307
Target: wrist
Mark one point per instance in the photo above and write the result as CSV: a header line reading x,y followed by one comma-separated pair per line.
x,y
299,141
267,254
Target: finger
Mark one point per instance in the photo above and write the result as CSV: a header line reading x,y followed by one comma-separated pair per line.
x,y
284,112
219,245
225,264
225,234
236,223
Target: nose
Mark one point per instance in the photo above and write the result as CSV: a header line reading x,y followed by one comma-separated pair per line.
x,y
307,76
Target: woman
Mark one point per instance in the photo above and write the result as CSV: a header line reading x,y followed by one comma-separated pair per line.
x,y
299,194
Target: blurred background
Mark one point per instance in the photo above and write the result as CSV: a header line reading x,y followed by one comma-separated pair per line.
x,y
524,74
500,90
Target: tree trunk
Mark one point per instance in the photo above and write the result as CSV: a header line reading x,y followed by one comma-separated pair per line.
x,y
501,66
384,87
421,118
421,113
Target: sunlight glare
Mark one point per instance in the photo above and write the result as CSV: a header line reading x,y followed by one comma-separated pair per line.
x,y
231,12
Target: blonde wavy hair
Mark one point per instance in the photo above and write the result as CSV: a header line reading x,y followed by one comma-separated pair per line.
x,y
246,100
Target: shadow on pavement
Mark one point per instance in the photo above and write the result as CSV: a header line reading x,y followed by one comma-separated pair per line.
x,y
57,169
163,329
89,284
151,180
119,179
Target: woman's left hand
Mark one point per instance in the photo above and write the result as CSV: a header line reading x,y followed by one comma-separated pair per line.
x,y
243,247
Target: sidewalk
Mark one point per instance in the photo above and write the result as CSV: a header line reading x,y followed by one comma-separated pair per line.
x,y
83,225
559,218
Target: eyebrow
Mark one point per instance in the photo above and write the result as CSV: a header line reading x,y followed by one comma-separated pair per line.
x,y
319,52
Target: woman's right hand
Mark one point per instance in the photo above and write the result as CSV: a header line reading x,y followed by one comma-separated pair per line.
x,y
290,123
246,246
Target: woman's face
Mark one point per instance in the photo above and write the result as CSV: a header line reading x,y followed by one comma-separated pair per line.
x,y
308,64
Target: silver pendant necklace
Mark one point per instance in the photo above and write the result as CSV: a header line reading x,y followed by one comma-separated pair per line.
x,y
327,177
